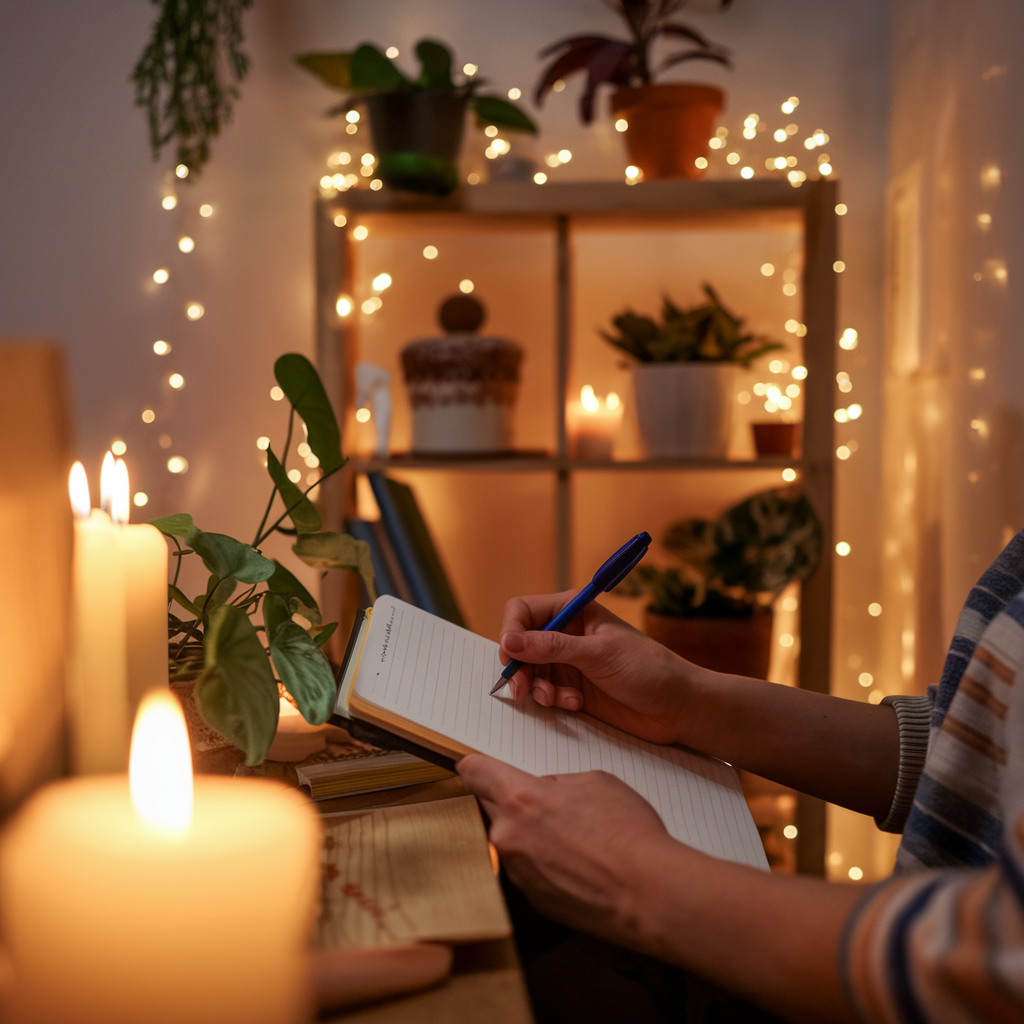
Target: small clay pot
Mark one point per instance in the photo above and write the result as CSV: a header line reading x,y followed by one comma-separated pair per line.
x,y
776,438
669,126
736,646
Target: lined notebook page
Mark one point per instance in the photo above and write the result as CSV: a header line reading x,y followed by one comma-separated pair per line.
x,y
436,674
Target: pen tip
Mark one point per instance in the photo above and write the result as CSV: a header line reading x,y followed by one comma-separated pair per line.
x,y
498,685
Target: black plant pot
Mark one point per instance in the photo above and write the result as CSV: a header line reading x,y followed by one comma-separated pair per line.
x,y
417,135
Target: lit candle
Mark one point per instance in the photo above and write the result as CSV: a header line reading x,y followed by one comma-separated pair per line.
x,y
592,424
154,898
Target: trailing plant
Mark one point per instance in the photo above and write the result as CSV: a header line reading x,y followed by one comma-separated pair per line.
x,y
736,564
215,632
705,333
367,70
612,61
187,76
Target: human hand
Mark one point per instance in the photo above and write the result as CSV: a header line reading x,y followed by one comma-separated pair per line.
x,y
600,665
577,845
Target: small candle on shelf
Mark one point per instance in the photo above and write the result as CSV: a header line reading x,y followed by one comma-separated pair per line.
x,y
155,897
593,424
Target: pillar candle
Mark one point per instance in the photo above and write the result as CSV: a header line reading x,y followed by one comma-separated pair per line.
x,y
137,899
593,425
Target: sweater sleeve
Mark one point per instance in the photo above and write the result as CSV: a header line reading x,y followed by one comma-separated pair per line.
x,y
914,717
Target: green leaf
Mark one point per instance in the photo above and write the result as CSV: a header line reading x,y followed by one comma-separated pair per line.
x,y
333,68
337,551
304,670
301,383
237,693
494,110
302,511
224,556
174,594
371,71
276,611
325,634
436,59
284,583
178,525
218,591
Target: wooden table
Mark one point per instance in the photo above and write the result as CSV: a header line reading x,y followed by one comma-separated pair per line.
x,y
486,982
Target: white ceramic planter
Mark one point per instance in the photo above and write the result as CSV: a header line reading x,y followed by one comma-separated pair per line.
x,y
685,409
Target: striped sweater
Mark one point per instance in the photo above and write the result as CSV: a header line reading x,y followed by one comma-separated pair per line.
x,y
943,939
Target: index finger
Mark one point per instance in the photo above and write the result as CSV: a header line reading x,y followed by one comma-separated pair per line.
x,y
490,779
534,611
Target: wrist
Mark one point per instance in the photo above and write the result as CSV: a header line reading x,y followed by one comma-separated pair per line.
x,y
694,686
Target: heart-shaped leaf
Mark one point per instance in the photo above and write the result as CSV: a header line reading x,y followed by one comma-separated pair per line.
x,y
337,551
224,556
302,511
284,583
325,634
370,70
178,525
436,59
495,110
304,670
333,68
301,383
174,594
237,693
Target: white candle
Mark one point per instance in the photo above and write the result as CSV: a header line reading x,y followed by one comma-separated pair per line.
x,y
592,424
123,902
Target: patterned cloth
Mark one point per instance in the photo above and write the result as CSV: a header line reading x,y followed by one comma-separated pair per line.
x,y
943,940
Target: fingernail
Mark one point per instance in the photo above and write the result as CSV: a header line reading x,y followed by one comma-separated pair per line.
x,y
572,703
513,642
540,696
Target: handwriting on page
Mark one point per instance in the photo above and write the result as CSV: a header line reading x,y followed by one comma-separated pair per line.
x,y
438,675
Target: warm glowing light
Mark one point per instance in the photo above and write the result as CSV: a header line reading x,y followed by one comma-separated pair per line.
x,y
789,475
369,306
786,640
539,178
976,373
169,202
854,411
792,390
865,679
363,415
777,366
78,491
466,286
981,427
843,382
790,832
792,326
841,416
327,181
165,441
344,305
789,289
558,86
120,505
991,176
181,171
825,168
161,348
716,143
119,447
381,281
107,482
564,155
295,475
588,399
856,874
206,210
780,134
176,381
514,93
841,209
276,393
767,269
746,172
392,52
340,220
148,415
750,133
842,549
376,185
612,401
732,158
848,339
194,311
186,244
700,163
177,464
430,252
161,276
621,124
263,443
743,398
470,69
751,121
758,388
839,266
352,116
633,172
160,766
141,498
799,373
874,609
360,232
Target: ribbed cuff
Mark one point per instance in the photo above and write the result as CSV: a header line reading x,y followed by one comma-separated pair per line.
x,y
914,715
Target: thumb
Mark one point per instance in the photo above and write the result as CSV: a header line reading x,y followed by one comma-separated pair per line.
x,y
539,648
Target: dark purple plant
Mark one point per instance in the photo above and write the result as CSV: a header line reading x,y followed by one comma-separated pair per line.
x,y
621,62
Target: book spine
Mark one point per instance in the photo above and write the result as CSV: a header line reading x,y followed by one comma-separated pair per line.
x,y
383,583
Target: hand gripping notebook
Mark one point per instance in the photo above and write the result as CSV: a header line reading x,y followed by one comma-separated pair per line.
x,y
417,682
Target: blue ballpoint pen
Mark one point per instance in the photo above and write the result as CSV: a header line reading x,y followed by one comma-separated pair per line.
x,y
610,575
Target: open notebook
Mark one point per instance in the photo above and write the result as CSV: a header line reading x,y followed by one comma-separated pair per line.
x,y
427,680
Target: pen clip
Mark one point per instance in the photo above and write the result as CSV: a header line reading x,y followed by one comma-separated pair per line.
x,y
632,551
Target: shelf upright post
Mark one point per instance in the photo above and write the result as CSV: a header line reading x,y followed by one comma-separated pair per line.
x,y
819,291
563,486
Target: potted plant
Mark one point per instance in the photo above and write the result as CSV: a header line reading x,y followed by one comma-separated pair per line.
x,y
416,123
684,374
668,124
715,609
219,666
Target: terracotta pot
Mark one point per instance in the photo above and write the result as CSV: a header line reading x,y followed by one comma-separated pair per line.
x,y
776,438
739,647
685,409
669,126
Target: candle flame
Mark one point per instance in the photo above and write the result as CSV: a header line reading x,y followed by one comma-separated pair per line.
x,y
120,505
107,482
78,489
613,401
160,766
588,399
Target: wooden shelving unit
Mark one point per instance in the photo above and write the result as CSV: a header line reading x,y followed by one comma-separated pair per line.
x,y
559,207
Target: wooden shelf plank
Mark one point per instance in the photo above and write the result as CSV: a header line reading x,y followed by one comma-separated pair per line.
x,y
531,463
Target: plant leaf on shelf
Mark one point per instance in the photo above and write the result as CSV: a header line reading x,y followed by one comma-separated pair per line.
x,y
337,551
287,585
371,71
237,693
301,510
301,383
494,110
436,60
333,68
178,525
226,557
304,671
325,634
174,594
